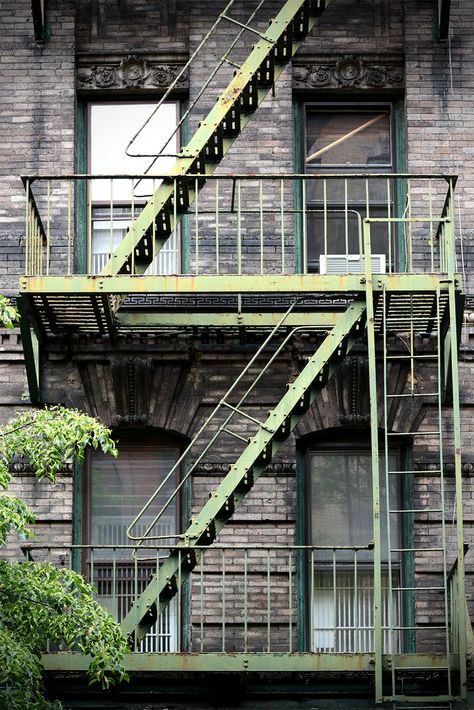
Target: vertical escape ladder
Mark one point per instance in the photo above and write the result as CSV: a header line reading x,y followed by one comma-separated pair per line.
x,y
215,134
242,475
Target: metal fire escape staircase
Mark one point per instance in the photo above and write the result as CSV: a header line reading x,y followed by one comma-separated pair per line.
x,y
242,475
215,134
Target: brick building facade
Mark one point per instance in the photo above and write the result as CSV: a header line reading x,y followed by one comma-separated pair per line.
x,y
155,384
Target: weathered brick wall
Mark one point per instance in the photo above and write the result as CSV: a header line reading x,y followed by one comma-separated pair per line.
x,y
37,95
37,135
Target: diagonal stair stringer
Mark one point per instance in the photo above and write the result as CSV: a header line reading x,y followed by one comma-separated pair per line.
x,y
215,135
245,472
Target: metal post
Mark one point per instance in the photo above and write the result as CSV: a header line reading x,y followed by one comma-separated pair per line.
x,y
452,335
375,464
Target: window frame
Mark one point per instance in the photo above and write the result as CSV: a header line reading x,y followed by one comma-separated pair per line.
x,y
135,439
330,441
83,147
395,105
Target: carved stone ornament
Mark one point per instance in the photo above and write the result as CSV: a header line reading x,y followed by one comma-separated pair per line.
x,y
131,72
348,72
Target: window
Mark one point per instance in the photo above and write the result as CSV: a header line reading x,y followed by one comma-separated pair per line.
x,y
341,578
116,490
116,202
348,139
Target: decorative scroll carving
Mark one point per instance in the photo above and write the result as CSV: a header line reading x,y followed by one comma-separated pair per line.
x,y
348,72
131,72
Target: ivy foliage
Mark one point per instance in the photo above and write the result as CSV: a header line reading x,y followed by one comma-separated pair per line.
x,y
39,602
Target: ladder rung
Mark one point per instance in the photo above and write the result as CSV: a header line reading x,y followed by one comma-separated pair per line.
x,y
411,357
414,433
418,589
404,473
247,27
233,433
232,64
413,394
247,416
428,627
417,549
417,510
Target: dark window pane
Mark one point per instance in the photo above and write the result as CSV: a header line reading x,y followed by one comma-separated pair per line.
x,y
120,487
348,139
341,502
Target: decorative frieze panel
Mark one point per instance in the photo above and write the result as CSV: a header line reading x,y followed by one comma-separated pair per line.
x,y
130,72
348,72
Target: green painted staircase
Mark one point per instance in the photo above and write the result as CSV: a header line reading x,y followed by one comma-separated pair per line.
x,y
242,475
215,135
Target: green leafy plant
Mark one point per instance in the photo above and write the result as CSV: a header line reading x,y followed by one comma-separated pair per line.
x,y
40,603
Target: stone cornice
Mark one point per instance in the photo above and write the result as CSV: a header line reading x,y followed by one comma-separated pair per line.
x,y
134,71
349,72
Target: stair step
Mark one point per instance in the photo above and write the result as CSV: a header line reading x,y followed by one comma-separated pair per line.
x,y
249,466
266,71
205,150
231,122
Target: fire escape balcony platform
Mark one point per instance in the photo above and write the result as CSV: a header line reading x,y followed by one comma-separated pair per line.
x,y
118,305
259,662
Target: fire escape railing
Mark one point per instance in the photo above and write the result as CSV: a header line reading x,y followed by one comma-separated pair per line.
x,y
245,224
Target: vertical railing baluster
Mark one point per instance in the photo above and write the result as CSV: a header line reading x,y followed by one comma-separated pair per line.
x,y
89,226
431,225
312,601
389,227
260,207
201,600
154,265
132,270
223,630
282,225
304,226
69,232
111,217
325,218
178,600
346,224
114,583
441,479
290,601
246,600
48,226
268,602
334,601
367,214
27,227
217,229
239,231
410,230
356,605
196,225
135,590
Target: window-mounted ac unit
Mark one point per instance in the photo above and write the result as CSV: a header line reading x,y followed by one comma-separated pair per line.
x,y
350,264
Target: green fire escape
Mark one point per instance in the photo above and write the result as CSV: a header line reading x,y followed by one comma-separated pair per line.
x,y
418,294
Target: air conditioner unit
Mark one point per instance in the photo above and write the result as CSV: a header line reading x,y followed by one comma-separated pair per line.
x,y
350,264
